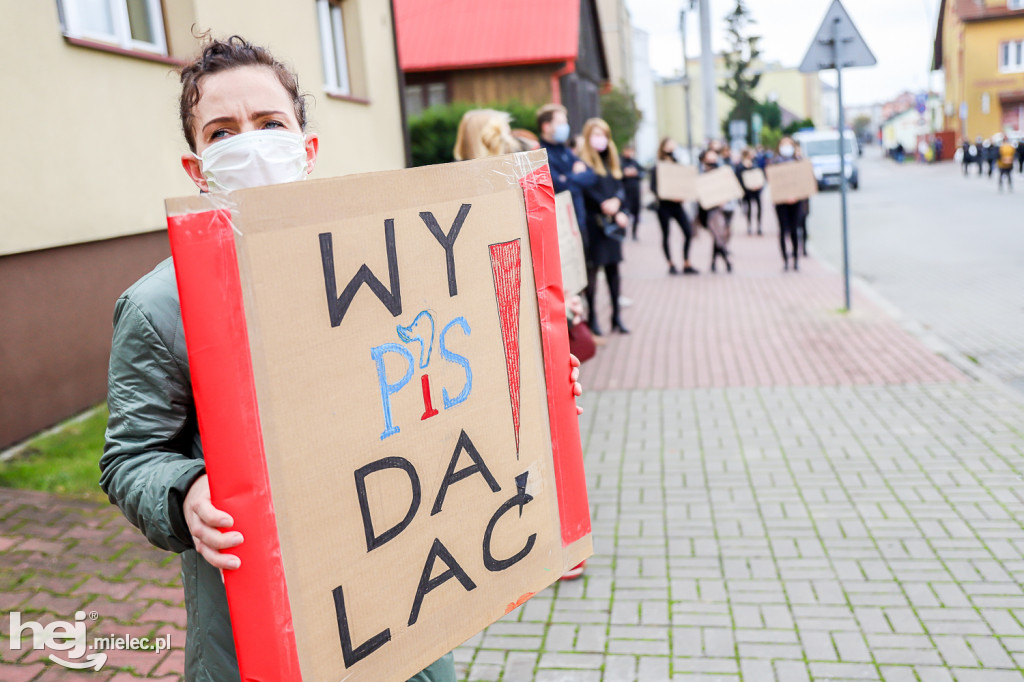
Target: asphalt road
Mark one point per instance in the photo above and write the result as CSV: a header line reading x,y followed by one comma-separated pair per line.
x,y
948,251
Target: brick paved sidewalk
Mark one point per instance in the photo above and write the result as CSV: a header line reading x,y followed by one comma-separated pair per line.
x,y
756,326
788,534
59,556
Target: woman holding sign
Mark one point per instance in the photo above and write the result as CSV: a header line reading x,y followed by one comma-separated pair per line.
x,y
244,121
672,210
789,213
752,180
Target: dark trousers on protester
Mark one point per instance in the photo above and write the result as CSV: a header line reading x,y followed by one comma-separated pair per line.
x,y
633,206
611,274
667,211
749,199
789,224
1008,174
805,210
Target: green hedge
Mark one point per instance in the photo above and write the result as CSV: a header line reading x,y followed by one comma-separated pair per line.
x,y
432,133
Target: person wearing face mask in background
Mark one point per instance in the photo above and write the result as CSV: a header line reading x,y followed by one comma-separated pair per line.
x,y
788,213
672,210
568,173
750,196
606,217
244,120
717,219
632,174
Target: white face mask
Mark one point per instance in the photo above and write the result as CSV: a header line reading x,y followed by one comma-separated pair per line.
x,y
254,159
787,150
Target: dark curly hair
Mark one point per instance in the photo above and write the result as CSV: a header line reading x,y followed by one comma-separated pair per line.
x,y
222,55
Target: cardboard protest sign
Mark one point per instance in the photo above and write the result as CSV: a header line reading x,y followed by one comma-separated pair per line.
x,y
381,375
791,181
717,187
676,182
753,179
570,246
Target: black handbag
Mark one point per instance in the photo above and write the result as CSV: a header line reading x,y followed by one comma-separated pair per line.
x,y
612,229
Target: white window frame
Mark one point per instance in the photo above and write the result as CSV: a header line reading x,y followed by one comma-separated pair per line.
x,y
333,49
1014,4
122,35
1011,49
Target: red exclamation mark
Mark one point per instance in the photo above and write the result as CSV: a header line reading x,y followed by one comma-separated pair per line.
x,y
428,406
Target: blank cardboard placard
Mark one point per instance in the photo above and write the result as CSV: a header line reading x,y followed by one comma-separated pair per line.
x,y
718,187
380,367
753,179
570,246
791,181
676,182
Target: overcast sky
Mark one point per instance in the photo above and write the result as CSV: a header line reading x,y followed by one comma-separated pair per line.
x,y
899,33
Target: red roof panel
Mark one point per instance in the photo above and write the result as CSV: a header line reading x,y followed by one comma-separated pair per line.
x,y
438,35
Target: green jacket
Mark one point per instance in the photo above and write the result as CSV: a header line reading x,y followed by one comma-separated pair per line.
x,y
153,454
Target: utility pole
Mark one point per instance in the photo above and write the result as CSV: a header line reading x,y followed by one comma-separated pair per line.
x,y
686,82
708,84
837,47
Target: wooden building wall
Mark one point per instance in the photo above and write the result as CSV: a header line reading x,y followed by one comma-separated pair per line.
x,y
525,84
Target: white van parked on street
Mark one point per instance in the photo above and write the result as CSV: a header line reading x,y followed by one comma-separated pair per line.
x,y
822,148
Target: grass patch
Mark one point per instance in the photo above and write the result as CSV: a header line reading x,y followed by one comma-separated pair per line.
x,y
973,359
65,461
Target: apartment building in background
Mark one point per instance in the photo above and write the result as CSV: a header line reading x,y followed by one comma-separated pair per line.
x,y
94,148
979,46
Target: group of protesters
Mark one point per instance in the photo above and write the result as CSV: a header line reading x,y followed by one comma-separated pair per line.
x,y
792,217
997,152
606,193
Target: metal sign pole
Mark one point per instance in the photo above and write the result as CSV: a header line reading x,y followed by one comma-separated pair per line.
x,y
837,51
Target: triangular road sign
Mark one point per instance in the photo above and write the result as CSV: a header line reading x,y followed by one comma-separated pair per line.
x,y
853,51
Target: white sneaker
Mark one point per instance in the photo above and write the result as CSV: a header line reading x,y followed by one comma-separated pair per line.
x,y
625,302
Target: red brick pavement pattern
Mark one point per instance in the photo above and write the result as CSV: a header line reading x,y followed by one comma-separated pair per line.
x,y
758,326
59,555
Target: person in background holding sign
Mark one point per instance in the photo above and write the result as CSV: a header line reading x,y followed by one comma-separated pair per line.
x,y
244,120
716,219
669,210
789,213
632,174
606,217
568,173
750,196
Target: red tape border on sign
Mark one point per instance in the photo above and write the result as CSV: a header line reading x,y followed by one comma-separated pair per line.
x,y
570,479
209,286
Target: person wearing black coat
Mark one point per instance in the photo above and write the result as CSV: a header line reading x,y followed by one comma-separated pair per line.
x,y
750,196
606,218
991,154
632,174
967,158
789,214
672,210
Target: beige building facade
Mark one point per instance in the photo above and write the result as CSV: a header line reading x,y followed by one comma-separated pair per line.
x,y
95,149
617,34
802,95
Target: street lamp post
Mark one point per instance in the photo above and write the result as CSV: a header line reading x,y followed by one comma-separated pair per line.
x,y
686,84
707,73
